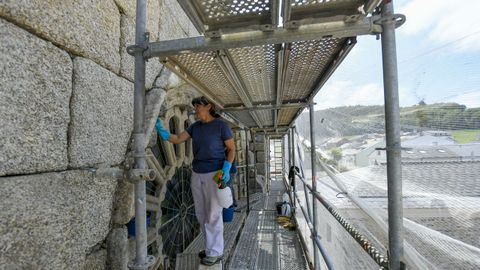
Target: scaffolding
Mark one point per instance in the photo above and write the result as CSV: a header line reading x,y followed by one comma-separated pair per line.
x,y
277,162
262,62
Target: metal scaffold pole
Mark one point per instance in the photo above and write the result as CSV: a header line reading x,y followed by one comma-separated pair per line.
x,y
254,135
247,169
392,129
139,173
313,155
289,150
293,160
284,162
268,162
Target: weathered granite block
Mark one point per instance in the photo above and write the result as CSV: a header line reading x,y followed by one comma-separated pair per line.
x,y
127,70
260,156
88,29
128,7
185,24
259,146
154,98
181,95
168,80
170,23
261,168
124,204
251,157
259,138
96,260
118,251
35,89
49,221
102,116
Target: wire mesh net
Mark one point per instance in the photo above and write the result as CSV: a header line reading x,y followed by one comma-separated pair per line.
x,y
441,191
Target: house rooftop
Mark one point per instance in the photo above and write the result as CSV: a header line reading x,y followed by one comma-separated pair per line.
x,y
425,184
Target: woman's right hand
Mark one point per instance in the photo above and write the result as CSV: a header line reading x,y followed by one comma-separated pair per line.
x,y
226,171
162,131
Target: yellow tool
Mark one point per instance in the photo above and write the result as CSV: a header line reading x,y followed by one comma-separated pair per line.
x,y
218,178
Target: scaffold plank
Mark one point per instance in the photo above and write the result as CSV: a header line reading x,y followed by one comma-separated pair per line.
x,y
189,260
264,244
246,57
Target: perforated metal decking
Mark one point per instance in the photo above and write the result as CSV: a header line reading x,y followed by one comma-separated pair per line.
x,y
264,244
263,61
189,260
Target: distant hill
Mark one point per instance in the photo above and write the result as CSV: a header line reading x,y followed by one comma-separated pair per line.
x,y
356,120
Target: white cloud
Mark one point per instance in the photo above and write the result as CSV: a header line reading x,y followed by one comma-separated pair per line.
x,y
347,93
470,99
444,22
407,97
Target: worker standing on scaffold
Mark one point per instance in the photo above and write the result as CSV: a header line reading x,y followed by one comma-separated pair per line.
x,y
213,150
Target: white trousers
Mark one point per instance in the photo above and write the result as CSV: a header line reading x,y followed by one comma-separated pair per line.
x,y
208,211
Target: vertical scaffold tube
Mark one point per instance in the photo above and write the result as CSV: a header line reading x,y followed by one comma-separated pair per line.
x,y
247,169
392,130
316,255
140,261
268,163
293,162
289,150
254,135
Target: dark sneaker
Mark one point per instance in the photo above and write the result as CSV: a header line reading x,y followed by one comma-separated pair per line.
x,y
202,254
210,260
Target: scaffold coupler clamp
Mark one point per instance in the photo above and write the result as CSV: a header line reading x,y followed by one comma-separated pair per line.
x,y
133,49
136,175
397,19
149,262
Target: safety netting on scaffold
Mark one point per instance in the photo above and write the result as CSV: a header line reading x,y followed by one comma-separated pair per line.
x,y
440,158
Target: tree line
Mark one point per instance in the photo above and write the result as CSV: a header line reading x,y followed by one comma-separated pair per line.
x,y
358,120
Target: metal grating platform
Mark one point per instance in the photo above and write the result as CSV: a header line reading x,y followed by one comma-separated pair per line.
x,y
299,12
215,17
275,195
249,77
188,259
264,244
257,201
258,70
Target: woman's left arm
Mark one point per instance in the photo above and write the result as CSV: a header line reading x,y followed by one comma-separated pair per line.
x,y
230,145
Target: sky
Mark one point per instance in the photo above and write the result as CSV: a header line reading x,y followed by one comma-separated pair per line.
x,y
438,54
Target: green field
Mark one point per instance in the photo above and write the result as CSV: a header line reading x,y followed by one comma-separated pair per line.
x,y
466,135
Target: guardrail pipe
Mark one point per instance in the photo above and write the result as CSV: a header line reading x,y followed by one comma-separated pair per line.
x,y
316,257
247,169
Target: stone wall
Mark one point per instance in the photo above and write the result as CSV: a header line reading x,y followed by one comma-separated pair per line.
x,y
53,220
66,101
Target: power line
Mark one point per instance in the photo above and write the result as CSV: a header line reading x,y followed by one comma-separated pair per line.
x,y
440,47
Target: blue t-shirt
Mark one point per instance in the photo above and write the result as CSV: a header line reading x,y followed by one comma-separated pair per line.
x,y
208,144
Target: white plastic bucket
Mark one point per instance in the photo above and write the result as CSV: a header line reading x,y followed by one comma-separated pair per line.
x,y
224,197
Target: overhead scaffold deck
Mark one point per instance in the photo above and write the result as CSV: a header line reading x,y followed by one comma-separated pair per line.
x,y
262,62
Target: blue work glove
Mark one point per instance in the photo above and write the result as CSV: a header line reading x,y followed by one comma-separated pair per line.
x,y
161,131
226,171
